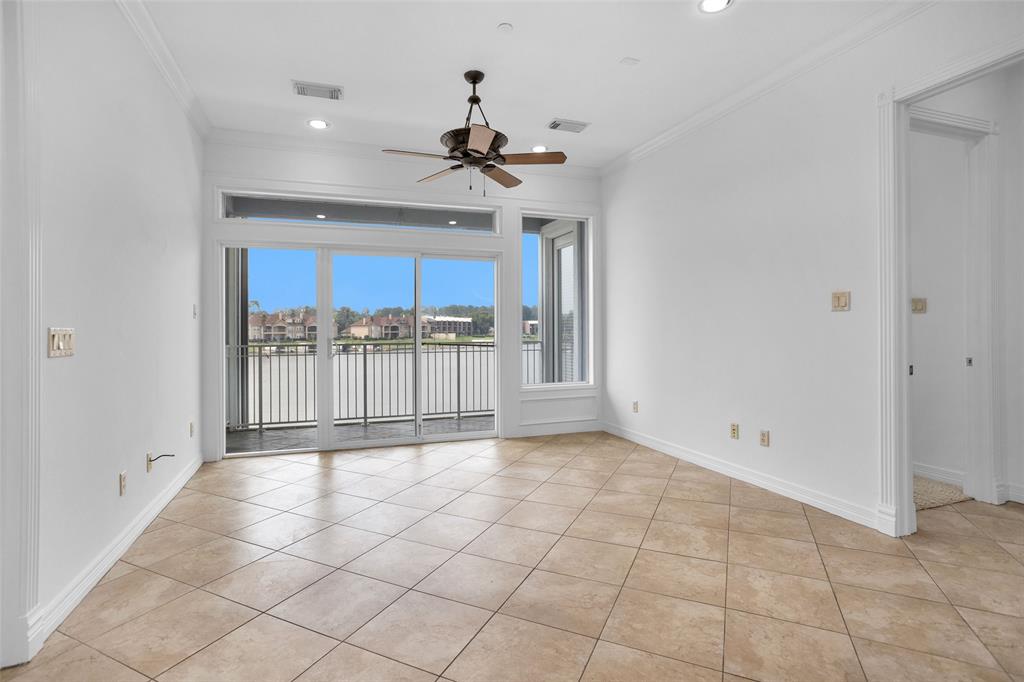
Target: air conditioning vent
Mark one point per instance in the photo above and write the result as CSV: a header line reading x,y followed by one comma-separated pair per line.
x,y
567,125
321,90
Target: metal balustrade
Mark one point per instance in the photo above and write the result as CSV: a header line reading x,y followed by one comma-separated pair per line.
x,y
276,384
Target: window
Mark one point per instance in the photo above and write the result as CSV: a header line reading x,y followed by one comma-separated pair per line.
x,y
554,322
320,211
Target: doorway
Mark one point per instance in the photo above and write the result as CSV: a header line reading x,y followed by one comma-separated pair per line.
x,y
939,198
329,349
950,150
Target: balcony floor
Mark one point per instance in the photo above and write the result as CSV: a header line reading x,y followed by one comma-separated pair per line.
x,y
304,437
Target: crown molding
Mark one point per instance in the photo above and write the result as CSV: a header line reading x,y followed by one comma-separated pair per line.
x,y
864,30
138,17
358,150
961,70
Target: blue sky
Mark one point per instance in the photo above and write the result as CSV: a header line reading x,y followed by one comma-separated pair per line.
x,y
286,278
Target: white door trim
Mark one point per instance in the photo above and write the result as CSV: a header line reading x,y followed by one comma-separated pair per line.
x,y
896,513
23,344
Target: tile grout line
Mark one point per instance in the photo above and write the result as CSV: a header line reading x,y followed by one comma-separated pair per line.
x,y
725,597
510,595
520,456
835,600
625,578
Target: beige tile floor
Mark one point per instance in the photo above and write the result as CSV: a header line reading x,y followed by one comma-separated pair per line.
x,y
580,556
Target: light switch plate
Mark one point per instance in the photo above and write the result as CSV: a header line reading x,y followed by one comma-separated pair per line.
x,y
766,437
840,301
734,431
919,306
60,342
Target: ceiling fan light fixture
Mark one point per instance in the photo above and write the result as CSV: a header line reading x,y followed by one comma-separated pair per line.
x,y
318,124
539,148
713,6
453,222
321,216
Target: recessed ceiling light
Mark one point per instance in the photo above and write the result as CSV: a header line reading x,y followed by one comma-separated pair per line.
x,y
453,222
540,148
321,216
629,61
318,124
712,6
505,27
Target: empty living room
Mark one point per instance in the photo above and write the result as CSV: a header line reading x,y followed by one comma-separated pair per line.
x,y
511,340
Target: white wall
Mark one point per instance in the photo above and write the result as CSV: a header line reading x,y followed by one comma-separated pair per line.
x,y
732,238
115,170
938,217
311,166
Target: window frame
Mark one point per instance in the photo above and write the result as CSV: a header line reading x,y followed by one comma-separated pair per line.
x,y
572,232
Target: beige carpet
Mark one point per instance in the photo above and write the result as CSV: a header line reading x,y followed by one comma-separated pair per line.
x,y
929,493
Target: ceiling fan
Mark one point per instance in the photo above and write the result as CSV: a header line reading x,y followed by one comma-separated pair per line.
x,y
479,146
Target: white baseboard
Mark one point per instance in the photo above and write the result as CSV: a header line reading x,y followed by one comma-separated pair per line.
x,y
865,516
44,619
1010,492
940,474
555,426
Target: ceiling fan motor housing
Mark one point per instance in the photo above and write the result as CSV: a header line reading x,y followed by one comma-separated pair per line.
x,y
457,140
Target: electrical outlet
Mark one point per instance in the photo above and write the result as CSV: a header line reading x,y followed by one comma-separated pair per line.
x,y
122,483
636,405
191,429
734,431
149,462
765,439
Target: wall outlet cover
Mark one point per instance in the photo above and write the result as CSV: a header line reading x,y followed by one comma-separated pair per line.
x,y
122,483
734,431
765,439
919,306
636,405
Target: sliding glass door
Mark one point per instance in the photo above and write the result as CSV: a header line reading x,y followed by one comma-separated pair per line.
x,y
270,349
459,364
405,350
373,348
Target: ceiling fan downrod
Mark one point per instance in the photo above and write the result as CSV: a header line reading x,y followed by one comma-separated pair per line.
x,y
473,78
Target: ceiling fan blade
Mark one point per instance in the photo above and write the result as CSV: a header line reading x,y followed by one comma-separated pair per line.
x,y
441,174
405,153
503,178
536,157
480,138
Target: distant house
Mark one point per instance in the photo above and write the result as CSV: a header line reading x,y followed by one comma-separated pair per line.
x,y
381,327
282,326
531,327
444,327
390,327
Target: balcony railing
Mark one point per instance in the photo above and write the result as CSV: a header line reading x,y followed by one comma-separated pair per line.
x,y
276,384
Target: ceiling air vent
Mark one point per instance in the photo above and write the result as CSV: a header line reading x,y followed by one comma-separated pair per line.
x,y
318,90
567,125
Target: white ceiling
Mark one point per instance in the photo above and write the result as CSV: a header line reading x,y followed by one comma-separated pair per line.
x,y
401,64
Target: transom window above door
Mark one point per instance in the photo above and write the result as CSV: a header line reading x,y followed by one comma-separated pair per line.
x,y
353,214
